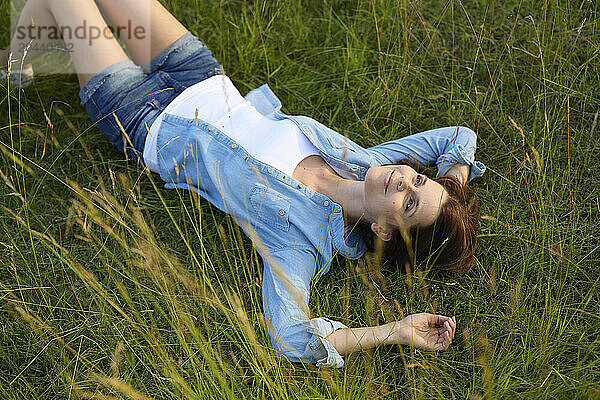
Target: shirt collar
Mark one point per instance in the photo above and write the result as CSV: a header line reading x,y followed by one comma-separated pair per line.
x,y
264,100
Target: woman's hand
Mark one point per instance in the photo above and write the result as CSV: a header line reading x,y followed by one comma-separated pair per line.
x,y
460,172
425,331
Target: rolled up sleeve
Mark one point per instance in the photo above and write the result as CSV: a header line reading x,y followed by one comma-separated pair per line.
x,y
443,147
294,335
324,353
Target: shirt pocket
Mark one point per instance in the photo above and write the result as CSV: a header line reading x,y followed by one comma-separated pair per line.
x,y
270,207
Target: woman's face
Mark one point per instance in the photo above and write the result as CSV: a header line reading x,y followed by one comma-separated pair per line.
x,y
399,197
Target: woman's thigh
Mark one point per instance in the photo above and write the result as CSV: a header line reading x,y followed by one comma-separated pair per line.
x,y
95,49
146,26
187,61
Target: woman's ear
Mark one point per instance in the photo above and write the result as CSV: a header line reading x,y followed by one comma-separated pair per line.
x,y
381,232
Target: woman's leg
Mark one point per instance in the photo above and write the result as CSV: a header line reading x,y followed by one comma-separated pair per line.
x,y
4,57
91,53
160,26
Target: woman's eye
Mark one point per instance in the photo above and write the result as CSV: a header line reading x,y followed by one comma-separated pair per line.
x,y
409,204
419,179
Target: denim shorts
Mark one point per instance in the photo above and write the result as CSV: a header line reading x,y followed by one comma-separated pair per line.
x,y
127,95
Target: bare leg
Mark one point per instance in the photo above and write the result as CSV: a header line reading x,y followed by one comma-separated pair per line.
x,y
4,57
89,56
161,27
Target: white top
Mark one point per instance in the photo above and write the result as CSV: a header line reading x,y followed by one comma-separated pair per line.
x,y
279,143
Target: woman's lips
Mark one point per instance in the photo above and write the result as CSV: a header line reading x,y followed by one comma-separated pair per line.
x,y
388,179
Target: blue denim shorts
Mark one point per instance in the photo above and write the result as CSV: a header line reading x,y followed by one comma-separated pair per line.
x,y
127,95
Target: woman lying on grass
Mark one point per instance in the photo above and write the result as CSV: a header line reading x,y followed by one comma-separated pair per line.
x,y
302,192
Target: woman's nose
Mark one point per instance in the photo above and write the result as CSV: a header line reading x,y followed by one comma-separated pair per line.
x,y
404,183
401,183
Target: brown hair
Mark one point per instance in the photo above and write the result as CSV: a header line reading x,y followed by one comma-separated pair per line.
x,y
449,243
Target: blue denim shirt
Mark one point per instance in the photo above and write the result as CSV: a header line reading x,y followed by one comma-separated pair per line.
x,y
296,230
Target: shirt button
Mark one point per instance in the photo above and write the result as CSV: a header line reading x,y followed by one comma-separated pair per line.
x,y
211,128
300,186
326,203
270,170
245,157
281,212
233,146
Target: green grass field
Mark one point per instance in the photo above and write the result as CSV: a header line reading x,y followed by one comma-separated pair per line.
x,y
114,287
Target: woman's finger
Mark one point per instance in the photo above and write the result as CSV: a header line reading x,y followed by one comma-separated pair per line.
x,y
437,319
449,328
439,342
447,340
453,324
442,340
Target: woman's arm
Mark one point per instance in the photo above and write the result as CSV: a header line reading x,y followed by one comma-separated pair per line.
x,y
444,147
425,331
298,337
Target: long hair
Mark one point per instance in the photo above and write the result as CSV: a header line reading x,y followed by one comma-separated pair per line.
x,y
449,243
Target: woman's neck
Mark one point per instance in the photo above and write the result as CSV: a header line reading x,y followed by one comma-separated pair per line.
x,y
315,173
351,196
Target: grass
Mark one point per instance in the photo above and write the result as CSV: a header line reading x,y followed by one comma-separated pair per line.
x,y
112,287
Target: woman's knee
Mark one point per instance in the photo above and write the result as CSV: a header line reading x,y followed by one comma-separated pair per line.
x,y
38,4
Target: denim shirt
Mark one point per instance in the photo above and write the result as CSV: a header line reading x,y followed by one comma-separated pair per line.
x,y
296,230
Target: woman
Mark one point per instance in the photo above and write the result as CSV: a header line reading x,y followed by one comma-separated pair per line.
x,y
299,190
